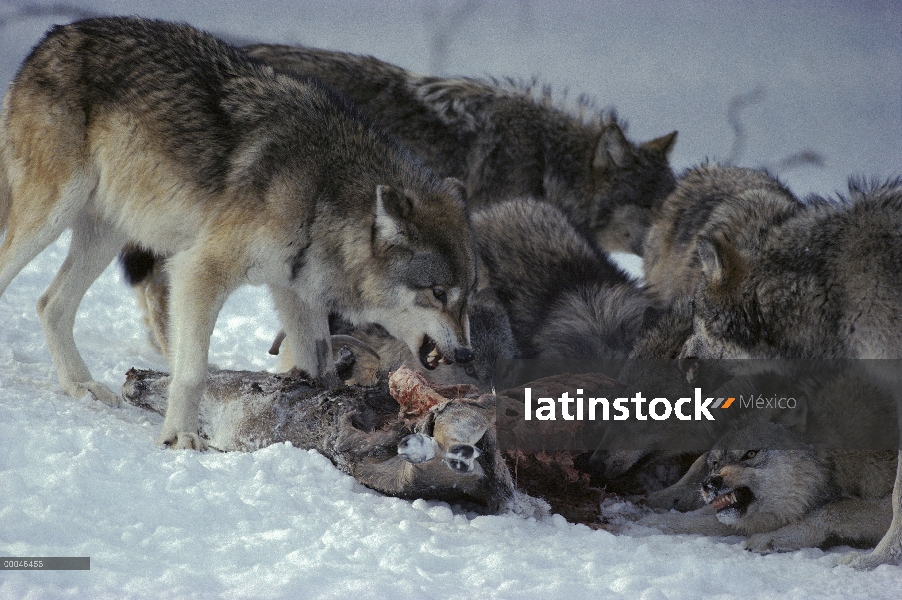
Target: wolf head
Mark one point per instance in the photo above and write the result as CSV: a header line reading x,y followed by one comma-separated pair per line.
x,y
426,270
725,319
631,179
761,476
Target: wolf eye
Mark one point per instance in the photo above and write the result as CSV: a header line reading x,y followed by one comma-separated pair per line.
x,y
749,455
440,294
470,371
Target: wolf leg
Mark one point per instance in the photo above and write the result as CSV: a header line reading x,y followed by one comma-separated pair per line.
x,y
199,287
701,521
93,247
306,330
889,550
850,521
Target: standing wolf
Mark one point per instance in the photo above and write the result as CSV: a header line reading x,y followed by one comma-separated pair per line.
x,y
827,283
501,139
130,130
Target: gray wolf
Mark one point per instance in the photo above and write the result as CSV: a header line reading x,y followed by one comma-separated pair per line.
x,y
564,297
505,140
501,139
824,284
763,479
733,202
136,131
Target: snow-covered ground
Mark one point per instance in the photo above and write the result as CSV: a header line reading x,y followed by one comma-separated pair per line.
x,y
80,479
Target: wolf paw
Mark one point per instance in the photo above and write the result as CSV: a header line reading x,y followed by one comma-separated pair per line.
x,y
96,390
868,561
778,541
183,440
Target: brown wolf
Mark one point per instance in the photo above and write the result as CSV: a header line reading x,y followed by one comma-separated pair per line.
x,y
131,130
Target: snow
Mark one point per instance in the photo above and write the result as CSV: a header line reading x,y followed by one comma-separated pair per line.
x,y
81,479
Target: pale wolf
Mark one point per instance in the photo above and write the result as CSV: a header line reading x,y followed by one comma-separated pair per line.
x,y
825,283
734,202
364,353
131,130
503,140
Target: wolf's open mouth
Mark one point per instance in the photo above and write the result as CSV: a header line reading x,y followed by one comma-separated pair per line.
x,y
737,500
430,357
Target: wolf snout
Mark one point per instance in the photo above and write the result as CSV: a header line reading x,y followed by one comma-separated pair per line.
x,y
463,354
712,484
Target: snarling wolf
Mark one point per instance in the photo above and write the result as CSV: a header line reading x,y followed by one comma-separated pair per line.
x,y
734,202
825,283
770,479
136,131
505,140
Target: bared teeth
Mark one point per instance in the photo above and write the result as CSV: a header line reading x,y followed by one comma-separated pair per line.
x,y
724,500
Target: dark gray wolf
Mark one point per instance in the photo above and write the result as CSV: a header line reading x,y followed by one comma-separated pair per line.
x,y
505,140
732,202
826,283
564,297
136,131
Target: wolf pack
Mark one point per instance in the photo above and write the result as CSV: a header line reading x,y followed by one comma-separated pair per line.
x,y
444,224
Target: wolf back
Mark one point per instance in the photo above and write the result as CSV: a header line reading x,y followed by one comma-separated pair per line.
x,y
505,140
131,130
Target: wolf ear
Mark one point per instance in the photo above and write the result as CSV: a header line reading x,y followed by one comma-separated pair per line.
x,y
720,261
708,256
662,145
458,188
613,149
392,209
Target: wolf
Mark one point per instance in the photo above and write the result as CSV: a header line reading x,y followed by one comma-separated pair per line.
x,y
504,140
137,131
824,284
501,139
564,296
762,479
735,202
